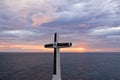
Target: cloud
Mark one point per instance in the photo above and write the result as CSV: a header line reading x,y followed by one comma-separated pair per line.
x,y
39,12
18,32
114,37
16,36
36,12
93,12
43,18
104,31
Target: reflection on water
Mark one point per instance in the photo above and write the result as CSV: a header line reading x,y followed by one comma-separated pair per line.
x,y
34,66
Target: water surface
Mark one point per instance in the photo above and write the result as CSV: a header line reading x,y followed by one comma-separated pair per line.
x,y
75,66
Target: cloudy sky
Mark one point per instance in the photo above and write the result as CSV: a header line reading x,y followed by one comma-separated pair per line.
x,y
91,25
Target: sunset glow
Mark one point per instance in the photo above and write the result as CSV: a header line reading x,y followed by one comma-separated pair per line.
x,y
81,49
1,46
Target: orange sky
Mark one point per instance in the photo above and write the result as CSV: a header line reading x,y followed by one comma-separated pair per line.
x,y
37,48
40,48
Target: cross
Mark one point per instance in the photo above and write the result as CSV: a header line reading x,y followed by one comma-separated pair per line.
x,y
56,60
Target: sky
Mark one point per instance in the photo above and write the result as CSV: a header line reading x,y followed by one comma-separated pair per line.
x,y
91,25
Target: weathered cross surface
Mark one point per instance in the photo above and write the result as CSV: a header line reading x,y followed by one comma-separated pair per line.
x,y
56,60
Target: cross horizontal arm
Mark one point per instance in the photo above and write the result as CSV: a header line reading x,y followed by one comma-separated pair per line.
x,y
58,45
49,46
64,45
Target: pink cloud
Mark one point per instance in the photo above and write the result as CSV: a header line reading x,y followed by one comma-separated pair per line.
x,y
39,20
48,14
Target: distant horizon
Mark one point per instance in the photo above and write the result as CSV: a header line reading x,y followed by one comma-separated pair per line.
x,y
60,52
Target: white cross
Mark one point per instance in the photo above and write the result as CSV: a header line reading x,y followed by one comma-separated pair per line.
x,y
56,61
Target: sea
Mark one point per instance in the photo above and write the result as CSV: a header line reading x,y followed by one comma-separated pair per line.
x,y
75,66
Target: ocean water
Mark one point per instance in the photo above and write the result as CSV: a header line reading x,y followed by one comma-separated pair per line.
x,y
75,66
